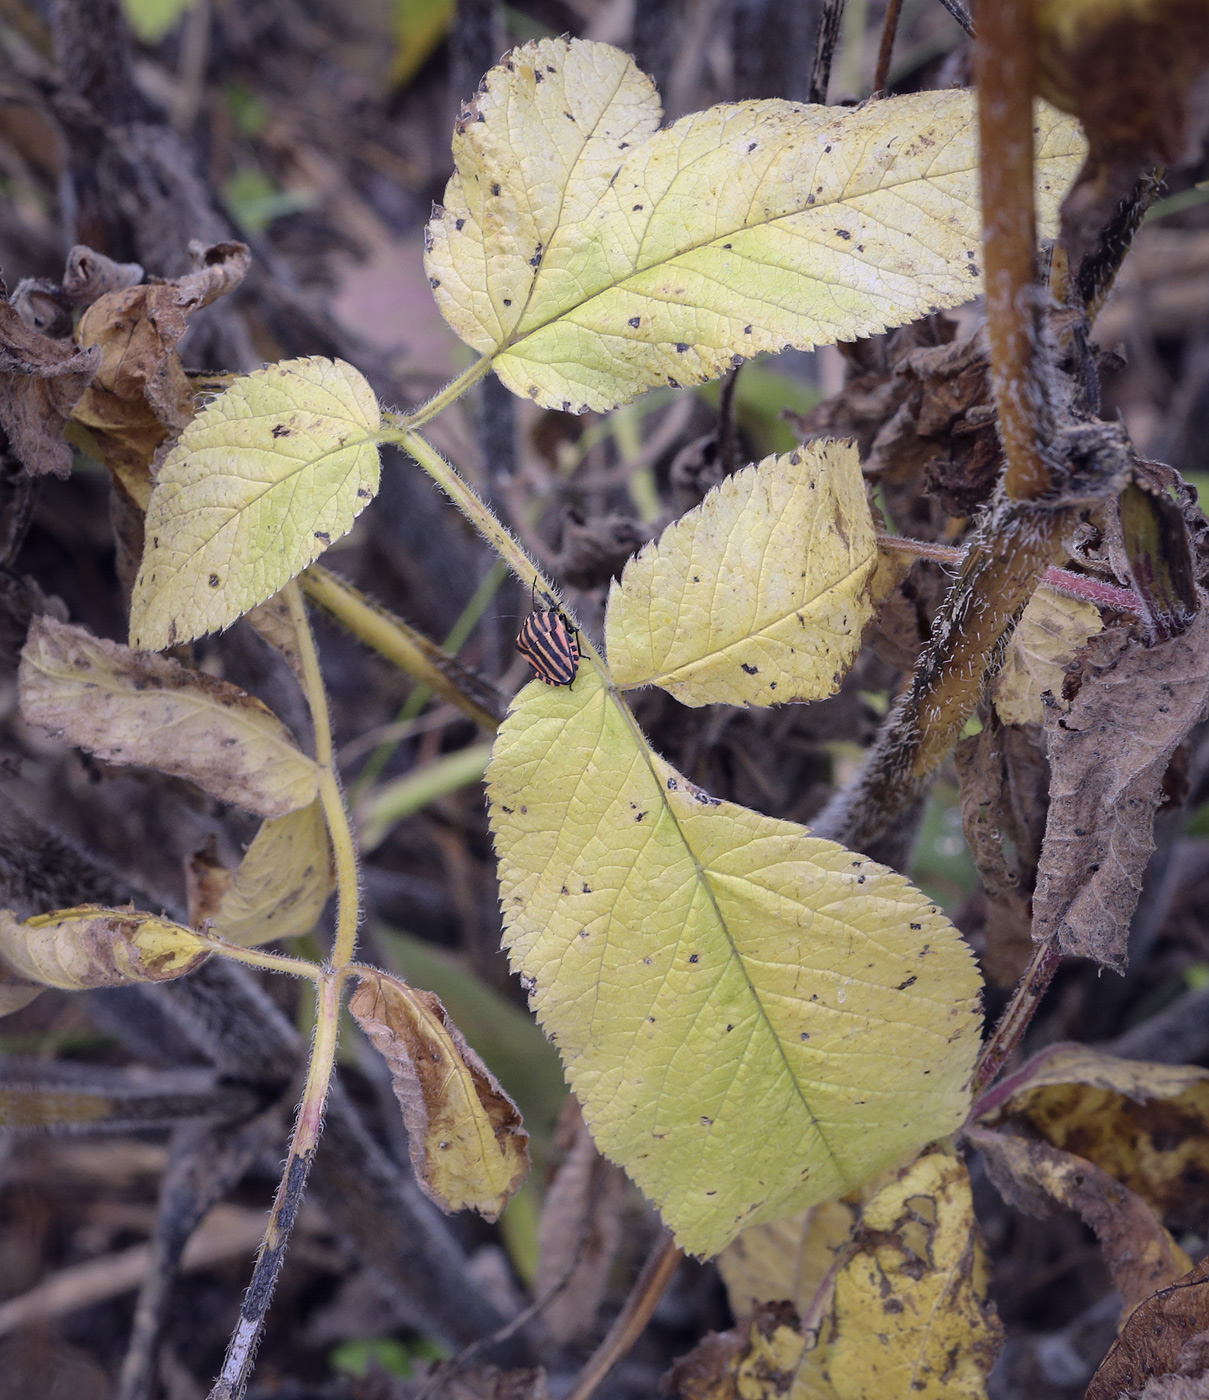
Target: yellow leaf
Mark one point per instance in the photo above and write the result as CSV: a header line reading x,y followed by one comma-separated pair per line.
x,y
96,947
758,595
1145,1124
282,882
130,708
754,1020
911,1310
257,487
786,1258
463,1132
595,256
1051,630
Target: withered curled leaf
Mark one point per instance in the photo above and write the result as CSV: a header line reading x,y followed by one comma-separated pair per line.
x,y
467,1144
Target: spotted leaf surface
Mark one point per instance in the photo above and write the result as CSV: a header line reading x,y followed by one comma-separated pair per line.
x,y
260,483
757,596
593,255
753,1019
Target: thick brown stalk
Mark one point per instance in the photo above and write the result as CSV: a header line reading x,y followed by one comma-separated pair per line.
x,y
1020,537
1005,60
1003,565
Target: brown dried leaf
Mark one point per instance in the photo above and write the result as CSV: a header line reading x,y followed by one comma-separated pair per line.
x,y
1163,1337
1140,1254
467,1145
129,707
1134,73
141,395
96,947
579,1232
1108,756
1146,1124
89,275
40,381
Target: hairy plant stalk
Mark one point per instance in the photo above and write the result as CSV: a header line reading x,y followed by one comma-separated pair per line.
x,y
1004,63
241,1352
497,536
271,962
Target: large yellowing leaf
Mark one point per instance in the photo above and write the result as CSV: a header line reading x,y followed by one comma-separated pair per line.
x,y
594,256
129,708
758,595
753,1019
911,1309
257,487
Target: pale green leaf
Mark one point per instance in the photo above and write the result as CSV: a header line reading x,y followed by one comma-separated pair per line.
x,y
754,1020
260,483
282,883
594,256
758,595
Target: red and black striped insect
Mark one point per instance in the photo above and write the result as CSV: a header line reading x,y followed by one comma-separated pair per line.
x,y
550,645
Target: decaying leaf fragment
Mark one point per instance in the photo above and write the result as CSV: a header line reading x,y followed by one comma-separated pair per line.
x,y
1167,1335
579,1231
1139,1252
40,381
464,1133
257,487
1047,636
594,256
754,1020
758,595
763,1357
140,393
1108,756
150,710
96,947
1145,1124
912,1315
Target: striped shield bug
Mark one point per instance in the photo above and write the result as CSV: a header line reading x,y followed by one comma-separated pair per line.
x,y
550,645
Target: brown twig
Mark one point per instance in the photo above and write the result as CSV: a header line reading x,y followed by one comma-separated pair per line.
x,y
824,48
661,1264
962,15
881,74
